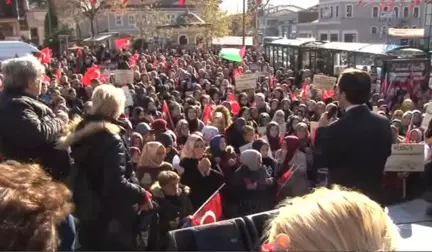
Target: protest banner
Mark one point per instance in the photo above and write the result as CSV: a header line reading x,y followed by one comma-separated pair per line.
x,y
324,82
128,94
406,158
123,76
246,81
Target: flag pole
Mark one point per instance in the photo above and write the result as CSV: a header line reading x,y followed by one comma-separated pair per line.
x,y
205,203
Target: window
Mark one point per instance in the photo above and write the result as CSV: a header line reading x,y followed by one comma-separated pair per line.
x,y
350,37
34,32
396,12
321,12
414,27
323,37
383,31
405,12
375,12
331,12
416,12
118,20
374,30
131,19
337,11
334,37
348,10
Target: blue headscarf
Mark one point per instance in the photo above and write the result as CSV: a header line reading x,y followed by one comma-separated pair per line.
x,y
214,146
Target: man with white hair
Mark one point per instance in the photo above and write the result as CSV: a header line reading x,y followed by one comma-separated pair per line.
x,y
29,129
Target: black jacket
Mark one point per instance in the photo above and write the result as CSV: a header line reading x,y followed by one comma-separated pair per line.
x,y
29,131
101,157
355,149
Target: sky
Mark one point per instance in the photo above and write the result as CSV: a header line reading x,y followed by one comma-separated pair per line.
x,y
233,6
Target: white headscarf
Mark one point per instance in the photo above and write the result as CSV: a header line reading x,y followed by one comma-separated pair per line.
x,y
209,132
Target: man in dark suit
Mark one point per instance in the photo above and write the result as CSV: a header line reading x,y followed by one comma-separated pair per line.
x,y
354,148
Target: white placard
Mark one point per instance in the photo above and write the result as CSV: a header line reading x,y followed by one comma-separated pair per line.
x,y
406,158
123,76
427,116
324,82
246,81
128,94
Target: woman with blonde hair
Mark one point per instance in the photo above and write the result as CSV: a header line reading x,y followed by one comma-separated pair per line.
x,y
221,118
151,163
106,190
332,220
32,205
198,175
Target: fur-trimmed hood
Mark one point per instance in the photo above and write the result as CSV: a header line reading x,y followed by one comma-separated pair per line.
x,y
88,129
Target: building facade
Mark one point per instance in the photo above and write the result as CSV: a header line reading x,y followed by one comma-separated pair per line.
x,y
283,20
12,19
346,21
137,19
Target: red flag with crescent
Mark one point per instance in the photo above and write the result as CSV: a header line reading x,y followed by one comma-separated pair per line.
x,y
123,43
181,2
45,55
92,73
210,212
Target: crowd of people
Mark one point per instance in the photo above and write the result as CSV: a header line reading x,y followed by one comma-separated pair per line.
x,y
77,157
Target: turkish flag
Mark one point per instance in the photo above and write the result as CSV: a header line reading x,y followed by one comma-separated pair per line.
x,y
125,2
8,2
133,60
235,106
281,182
206,115
181,2
123,43
58,73
327,94
304,92
271,82
93,3
91,74
258,2
167,116
45,55
210,212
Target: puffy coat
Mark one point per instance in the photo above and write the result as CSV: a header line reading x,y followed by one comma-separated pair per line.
x,y
106,192
29,131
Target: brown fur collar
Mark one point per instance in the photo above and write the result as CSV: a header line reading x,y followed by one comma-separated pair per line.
x,y
88,130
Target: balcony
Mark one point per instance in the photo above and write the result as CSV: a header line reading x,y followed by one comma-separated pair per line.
x,y
15,10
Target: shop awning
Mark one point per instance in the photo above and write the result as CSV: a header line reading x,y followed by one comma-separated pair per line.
x,y
343,46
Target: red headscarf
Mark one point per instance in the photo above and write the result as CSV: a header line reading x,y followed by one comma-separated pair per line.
x,y
159,126
292,145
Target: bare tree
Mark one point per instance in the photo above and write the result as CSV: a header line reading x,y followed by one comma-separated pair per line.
x,y
85,9
149,22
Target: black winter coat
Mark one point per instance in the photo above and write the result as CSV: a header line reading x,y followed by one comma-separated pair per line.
x,y
29,131
102,159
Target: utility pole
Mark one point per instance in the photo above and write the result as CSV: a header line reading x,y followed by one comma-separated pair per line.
x,y
244,23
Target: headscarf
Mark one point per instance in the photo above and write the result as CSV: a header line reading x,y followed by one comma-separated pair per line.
x,y
252,159
214,146
209,132
142,128
262,117
148,154
159,126
274,142
188,148
292,145
165,139
134,136
257,144
239,124
179,127
281,114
